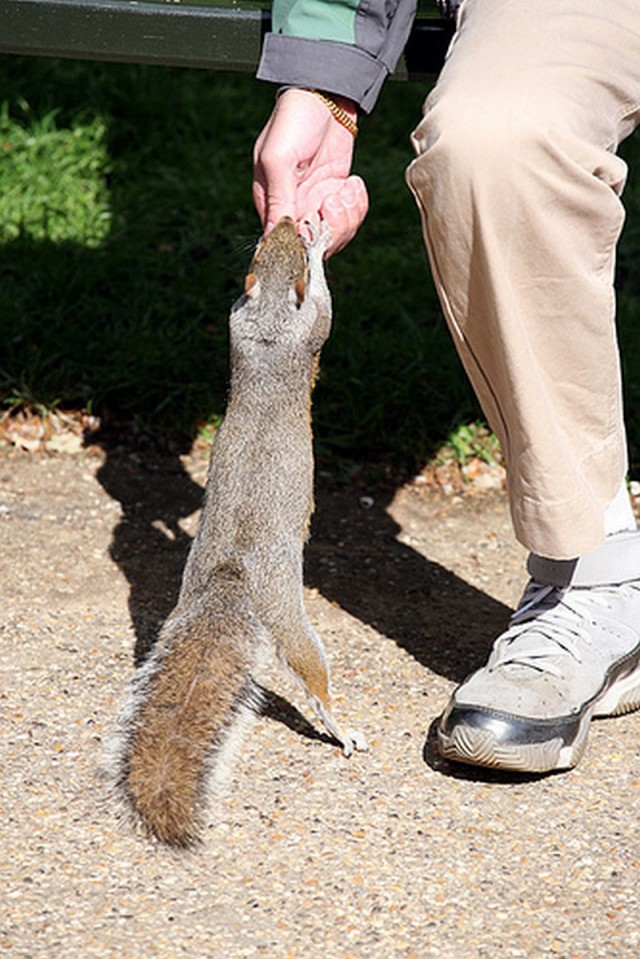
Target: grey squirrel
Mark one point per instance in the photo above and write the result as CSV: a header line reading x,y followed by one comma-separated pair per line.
x,y
242,585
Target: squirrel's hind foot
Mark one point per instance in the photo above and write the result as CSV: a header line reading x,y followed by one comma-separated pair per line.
x,y
349,739
354,740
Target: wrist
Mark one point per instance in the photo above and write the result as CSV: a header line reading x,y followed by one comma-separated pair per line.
x,y
346,116
345,103
349,106
342,109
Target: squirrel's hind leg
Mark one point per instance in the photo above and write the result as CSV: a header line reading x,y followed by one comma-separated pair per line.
x,y
304,654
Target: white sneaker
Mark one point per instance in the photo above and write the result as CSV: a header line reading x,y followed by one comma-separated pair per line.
x,y
569,654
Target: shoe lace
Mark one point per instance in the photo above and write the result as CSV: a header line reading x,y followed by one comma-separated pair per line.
x,y
548,626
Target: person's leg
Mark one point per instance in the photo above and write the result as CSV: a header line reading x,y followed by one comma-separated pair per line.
x,y
518,185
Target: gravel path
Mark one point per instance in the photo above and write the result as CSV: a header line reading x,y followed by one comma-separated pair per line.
x,y
390,855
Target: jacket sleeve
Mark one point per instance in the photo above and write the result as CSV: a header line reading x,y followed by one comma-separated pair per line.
x,y
348,47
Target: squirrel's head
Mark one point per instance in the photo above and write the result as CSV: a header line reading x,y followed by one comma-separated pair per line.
x,y
278,310
279,265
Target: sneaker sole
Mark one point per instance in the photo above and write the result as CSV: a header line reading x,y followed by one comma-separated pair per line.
x,y
622,697
479,747
499,741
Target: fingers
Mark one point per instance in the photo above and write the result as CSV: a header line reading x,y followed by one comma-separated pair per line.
x,y
302,161
280,202
274,189
344,212
285,152
342,204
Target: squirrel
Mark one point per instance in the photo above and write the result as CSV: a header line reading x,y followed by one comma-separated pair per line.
x,y
242,586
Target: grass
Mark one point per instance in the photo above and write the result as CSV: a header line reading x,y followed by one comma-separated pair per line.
x,y
126,225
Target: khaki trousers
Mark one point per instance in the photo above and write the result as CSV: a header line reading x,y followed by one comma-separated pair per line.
x,y
519,185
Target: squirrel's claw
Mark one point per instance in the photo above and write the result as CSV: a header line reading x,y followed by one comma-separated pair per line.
x,y
354,740
320,236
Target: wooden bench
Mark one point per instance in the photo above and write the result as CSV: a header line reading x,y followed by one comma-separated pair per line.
x,y
210,34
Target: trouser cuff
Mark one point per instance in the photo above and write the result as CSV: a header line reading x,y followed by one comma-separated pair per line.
x,y
616,561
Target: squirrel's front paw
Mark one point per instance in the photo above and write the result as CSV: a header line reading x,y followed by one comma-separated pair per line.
x,y
354,740
320,237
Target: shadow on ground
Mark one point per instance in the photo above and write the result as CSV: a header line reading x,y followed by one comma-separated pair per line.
x,y
353,558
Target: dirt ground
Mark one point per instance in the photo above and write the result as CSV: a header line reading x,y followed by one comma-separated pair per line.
x,y
390,854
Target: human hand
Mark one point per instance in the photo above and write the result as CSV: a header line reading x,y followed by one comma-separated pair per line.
x,y
302,161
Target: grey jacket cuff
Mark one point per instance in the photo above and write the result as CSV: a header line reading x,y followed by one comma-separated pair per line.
x,y
343,69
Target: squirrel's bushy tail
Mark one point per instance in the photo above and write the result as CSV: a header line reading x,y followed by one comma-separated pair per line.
x,y
189,704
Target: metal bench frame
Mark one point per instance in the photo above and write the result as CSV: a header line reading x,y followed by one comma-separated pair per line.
x,y
210,34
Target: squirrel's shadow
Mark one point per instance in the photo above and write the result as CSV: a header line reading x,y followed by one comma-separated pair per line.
x,y
354,558
156,493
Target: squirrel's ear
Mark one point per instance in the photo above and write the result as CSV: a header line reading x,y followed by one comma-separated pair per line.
x,y
299,289
251,285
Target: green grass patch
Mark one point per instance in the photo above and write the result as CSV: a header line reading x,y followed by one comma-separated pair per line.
x,y
52,180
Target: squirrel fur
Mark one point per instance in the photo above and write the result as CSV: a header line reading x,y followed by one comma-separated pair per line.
x,y
242,586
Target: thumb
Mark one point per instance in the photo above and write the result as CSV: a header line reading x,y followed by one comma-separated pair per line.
x,y
274,182
280,199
